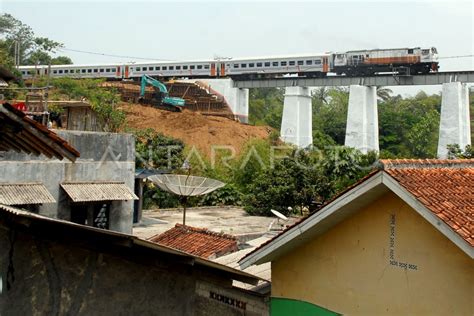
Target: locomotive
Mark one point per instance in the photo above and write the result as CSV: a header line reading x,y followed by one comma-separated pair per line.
x,y
409,61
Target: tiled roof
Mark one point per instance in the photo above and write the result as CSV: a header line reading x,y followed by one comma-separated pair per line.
x,y
196,241
20,133
445,187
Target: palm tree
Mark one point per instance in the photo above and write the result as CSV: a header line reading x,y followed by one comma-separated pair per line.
x,y
384,93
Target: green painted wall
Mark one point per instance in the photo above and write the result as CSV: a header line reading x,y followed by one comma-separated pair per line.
x,y
287,307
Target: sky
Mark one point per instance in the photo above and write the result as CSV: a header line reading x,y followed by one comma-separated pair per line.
x,y
189,30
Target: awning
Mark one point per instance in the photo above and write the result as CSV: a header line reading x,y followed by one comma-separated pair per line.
x,y
98,191
24,193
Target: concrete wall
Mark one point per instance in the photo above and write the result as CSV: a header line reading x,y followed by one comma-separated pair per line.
x,y
62,277
104,157
349,269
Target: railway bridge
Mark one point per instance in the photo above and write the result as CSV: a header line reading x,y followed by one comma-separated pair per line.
x,y
362,130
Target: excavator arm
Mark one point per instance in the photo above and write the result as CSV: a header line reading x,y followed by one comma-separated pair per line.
x,y
164,98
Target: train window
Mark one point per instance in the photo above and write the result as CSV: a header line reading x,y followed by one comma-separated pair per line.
x,y
199,66
192,67
267,64
107,69
157,68
309,62
259,64
165,68
283,63
206,66
83,70
236,65
185,67
425,51
112,69
89,70
251,65
178,67
101,70
55,71
96,70
410,51
291,63
300,63
275,64
243,65
137,69
317,62
171,67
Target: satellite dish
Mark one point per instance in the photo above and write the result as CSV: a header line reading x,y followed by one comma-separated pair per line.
x,y
185,186
279,215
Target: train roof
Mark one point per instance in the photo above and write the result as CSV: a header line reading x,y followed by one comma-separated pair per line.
x,y
377,49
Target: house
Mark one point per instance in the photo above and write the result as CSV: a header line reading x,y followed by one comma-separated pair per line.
x,y
399,242
55,267
95,189
197,241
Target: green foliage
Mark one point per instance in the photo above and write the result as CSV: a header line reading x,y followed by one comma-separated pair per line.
x,y
266,106
33,49
227,195
156,151
455,152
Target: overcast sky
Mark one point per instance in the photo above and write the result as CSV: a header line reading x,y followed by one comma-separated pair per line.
x,y
202,30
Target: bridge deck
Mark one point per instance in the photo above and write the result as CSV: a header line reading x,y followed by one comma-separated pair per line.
x,y
380,80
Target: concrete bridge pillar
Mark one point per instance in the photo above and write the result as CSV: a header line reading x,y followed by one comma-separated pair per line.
x,y
362,129
296,125
236,98
455,122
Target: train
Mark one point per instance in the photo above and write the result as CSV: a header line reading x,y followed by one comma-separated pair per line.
x,y
408,61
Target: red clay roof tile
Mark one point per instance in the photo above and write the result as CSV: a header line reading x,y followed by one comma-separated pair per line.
x,y
197,241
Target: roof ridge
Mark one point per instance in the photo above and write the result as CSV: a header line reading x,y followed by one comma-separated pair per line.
x,y
205,231
386,164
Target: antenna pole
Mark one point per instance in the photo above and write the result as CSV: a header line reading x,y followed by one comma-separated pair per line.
x,y
185,198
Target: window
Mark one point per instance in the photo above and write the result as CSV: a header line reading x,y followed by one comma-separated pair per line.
x,y
137,69
157,68
66,71
101,70
192,67
251,65
236,65
60,71
83,70
165,68
425,51
55,71
259,64
178,67
199,66
243,65
171,67
96,70
309,62
89,70
300,63
185,67
283,63
206,66
317,62
112,69
291,63
275,64
410,51
107,69
267,64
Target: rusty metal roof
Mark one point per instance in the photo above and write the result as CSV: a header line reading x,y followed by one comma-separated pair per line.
x,y
98,191
24,193
20,133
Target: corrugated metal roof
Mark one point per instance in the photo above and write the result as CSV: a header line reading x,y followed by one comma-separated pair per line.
x,y
98,191
24,193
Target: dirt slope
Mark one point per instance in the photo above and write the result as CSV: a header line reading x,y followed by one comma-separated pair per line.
x,y
194,128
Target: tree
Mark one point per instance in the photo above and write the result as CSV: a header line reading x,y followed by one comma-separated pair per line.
x,y
455,152
32,49
384,94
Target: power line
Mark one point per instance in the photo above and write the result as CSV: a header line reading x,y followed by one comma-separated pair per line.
x,y
110,55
